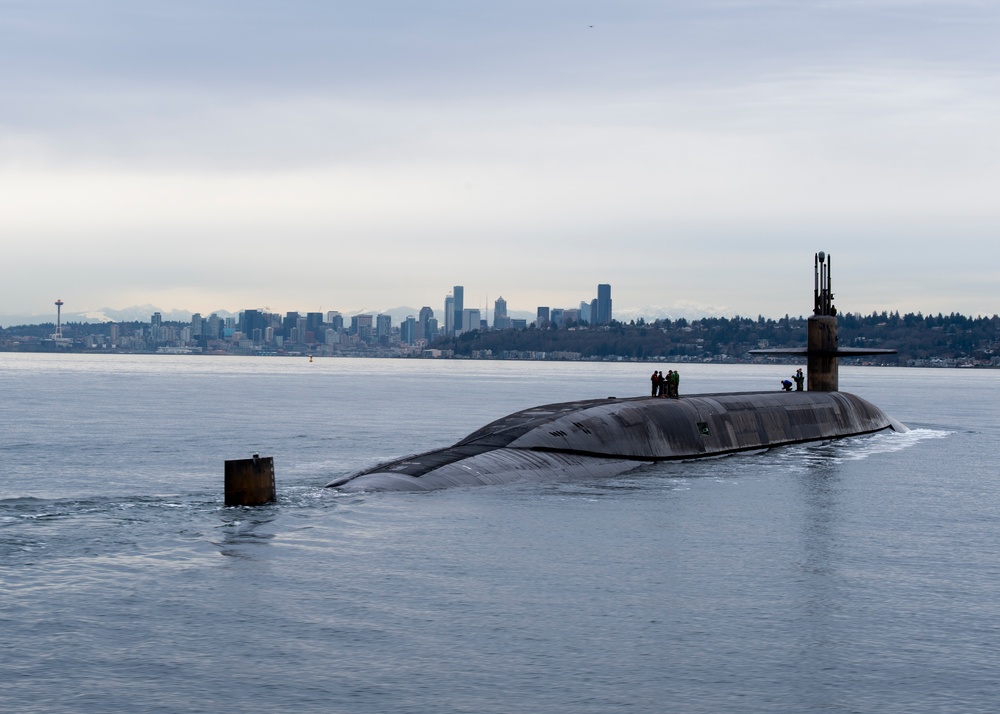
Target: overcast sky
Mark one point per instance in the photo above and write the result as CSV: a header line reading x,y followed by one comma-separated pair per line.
x,y
321,155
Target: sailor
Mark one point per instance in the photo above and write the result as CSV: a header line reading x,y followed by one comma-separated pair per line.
x,y
786,385
675,383
655,379
799,379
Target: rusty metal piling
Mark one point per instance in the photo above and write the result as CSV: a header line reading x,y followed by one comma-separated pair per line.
x,y
250,482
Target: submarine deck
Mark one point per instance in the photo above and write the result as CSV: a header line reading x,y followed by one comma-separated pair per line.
x,y
646,429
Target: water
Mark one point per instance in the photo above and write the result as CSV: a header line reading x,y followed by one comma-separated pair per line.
x,y
851,576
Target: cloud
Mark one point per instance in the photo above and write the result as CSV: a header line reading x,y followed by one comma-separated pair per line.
x,y
378,155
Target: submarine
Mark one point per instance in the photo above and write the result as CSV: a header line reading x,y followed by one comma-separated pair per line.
x,y
605,437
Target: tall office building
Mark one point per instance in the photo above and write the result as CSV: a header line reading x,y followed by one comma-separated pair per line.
x,y
425,316
459,306
214,327
253,324
603,304
542,317
155,326
470,319
288,324
314,321
449,315
361,325
500,319
383,327
408,330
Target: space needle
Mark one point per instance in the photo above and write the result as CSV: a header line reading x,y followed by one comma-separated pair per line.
x,y
58,335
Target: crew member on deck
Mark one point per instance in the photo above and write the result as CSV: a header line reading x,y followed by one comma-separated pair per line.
x,y
799,379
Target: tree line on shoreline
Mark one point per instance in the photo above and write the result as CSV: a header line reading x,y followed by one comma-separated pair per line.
x,y
915,336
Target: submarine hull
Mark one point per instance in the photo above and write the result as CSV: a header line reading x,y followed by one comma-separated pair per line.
x,y
604,437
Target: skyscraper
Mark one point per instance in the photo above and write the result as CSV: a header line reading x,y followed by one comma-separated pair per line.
x,y
500,319
449,315
314,321
459,306
289,323
408,330
603,304
426,314
470,319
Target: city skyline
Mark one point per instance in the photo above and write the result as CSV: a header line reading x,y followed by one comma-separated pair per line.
x,y
450,312
693,154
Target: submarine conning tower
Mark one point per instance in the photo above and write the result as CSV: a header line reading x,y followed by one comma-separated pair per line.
x,y
822,350
821,353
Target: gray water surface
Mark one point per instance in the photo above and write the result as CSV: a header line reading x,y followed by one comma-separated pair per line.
x,y
851,576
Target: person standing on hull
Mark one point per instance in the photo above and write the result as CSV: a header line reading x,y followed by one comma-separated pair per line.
x,y
799,379
675,384
665,385
656,384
